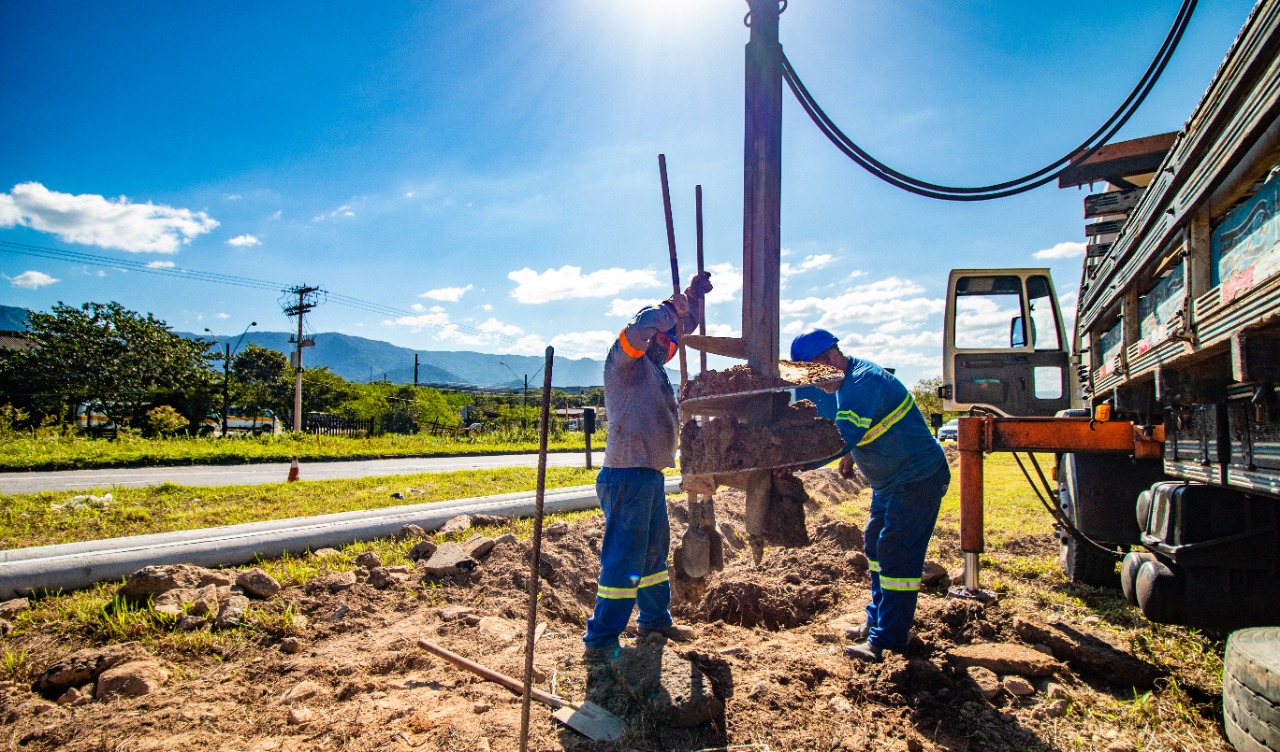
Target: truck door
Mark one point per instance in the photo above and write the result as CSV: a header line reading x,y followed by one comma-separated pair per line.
x,y
1004,344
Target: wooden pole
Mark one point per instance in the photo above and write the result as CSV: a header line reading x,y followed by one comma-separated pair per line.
x,y
536,558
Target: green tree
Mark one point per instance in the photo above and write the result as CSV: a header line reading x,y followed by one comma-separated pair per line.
x,y
106,353
261,379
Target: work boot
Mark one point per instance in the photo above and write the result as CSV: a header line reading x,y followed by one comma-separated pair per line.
x,y
600,656
865,651
673,632
858,633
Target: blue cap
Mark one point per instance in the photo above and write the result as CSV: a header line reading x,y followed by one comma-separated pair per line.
x,y
811,344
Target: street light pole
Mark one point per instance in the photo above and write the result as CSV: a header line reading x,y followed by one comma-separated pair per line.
x,y
226,371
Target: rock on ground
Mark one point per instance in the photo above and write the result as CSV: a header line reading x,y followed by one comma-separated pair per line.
x,y
85,666
1090,655
257,583
478,546
986,679
673,688
133,679
459,524
149,582
423,550
1006,658
11,608
448,560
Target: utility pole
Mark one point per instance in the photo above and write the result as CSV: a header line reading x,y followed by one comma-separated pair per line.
x,y
415,370
307,300
226,386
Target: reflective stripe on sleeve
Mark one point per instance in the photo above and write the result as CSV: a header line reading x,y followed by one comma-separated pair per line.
x,y
878,429
614,593
874,566
853,418
626,346
657,578
899,583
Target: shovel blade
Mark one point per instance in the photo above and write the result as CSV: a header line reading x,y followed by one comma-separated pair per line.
x,y
592,721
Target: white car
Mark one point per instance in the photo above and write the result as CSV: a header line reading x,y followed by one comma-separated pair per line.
x,y
950,430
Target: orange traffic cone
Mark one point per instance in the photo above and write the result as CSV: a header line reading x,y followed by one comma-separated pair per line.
x,y
293,470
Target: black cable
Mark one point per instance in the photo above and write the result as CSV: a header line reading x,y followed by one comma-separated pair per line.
x,y
1012,187
1055,511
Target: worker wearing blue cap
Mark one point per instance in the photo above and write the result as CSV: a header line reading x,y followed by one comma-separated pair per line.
x,y
892,445
643,428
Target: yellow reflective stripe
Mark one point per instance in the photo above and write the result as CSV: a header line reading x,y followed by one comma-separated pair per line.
x,y
626,346
853,418
899,583
657,578
878,429
874,566
614,593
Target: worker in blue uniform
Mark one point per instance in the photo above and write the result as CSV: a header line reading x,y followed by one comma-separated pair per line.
x,y
643,426
887,437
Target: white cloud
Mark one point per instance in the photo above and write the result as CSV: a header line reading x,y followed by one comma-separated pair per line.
x,y
223,315
626,307
277,214
234,196
160,264
722,330
418,307
90,219
592,344
31,280
726,279
568,282
341,211
811,262
486,308
879,302
1064,250
408,194
243,241
447,294
417,323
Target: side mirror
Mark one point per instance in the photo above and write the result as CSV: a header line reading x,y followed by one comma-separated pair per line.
x,y
1017,335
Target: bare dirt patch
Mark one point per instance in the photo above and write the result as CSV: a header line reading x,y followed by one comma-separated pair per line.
x,y
768,663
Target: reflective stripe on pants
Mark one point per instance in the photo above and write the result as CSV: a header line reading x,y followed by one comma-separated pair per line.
x,y
633,554
897,538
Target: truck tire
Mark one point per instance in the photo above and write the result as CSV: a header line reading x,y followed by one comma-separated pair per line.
x,y
1160,592
1133,561
1084,565
1251,689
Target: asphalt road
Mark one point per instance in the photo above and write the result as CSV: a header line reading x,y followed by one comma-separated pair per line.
x,y
277,472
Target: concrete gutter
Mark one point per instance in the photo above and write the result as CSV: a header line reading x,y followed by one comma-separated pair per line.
x,y
71,566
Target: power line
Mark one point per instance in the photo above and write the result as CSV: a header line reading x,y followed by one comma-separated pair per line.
x,y
80,257
1027,182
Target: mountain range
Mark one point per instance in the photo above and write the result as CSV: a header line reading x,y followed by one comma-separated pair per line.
x,y
362,360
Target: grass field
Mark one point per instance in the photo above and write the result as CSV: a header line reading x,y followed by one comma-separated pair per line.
x,y
37,520
69,452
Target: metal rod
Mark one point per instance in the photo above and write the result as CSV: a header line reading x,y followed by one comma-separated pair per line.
x,y
702,320
971,572
675,266
536,558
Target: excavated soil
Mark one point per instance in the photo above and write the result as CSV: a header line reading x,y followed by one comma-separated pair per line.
x,y
353,678
726,445
742,378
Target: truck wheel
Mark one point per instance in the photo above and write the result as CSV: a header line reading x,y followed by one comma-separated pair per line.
x,y
1133,561
1251,689
1084,565
1160,592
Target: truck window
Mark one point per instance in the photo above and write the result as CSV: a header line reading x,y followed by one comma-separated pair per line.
x,y
1044,319
988,313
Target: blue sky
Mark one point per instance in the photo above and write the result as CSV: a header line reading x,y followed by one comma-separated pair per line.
x,y
485,174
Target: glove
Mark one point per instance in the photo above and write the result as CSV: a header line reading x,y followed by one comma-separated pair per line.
x,y
700,286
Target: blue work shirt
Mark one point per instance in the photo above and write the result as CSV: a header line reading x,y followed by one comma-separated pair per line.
x,y
882,427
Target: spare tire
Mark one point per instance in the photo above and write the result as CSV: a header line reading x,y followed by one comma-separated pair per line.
x,y
1251,689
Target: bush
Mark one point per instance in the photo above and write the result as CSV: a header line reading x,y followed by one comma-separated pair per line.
x,y
164,421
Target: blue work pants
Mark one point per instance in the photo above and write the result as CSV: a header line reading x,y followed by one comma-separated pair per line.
x,y
897,537
633,554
